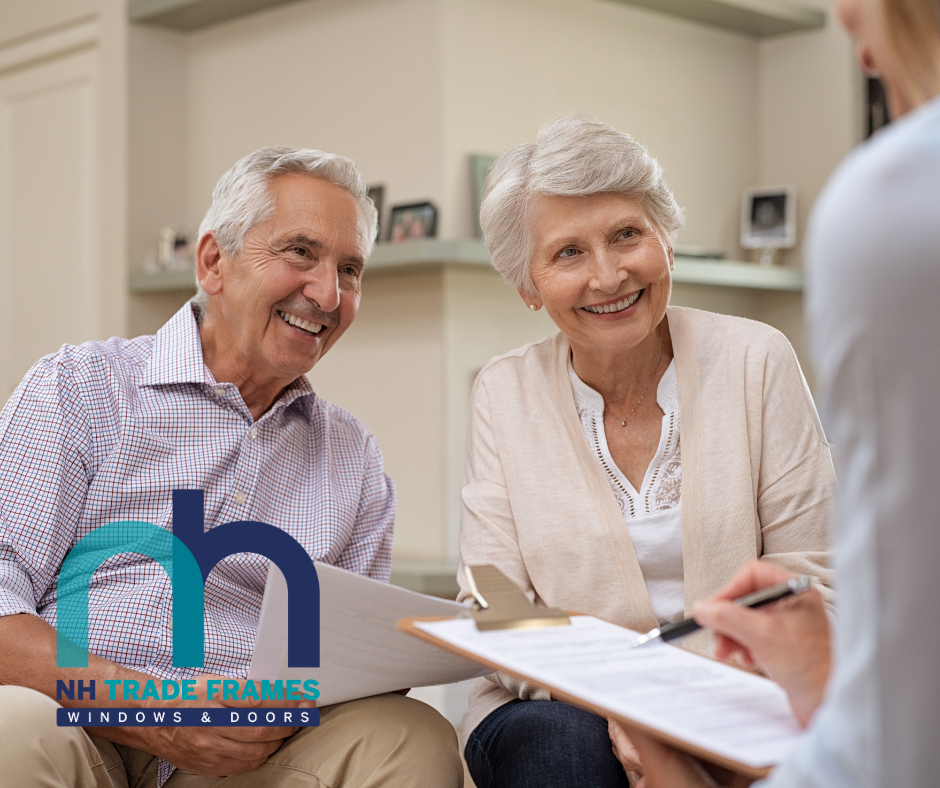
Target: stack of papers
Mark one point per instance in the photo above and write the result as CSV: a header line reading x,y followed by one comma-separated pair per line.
x,y
361,651
701,705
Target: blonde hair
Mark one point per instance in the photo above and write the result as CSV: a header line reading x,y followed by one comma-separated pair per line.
x,y
574,156
913,28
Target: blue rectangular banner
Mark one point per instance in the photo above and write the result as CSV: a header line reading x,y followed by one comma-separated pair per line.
x,y
186,717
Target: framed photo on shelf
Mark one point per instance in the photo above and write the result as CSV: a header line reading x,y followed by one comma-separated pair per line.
x,y
412,222
479,167
768,218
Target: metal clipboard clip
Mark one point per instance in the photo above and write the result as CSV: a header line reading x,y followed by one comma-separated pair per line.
x,y
500,604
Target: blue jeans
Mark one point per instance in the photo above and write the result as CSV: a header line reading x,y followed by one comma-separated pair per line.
x,y
543,744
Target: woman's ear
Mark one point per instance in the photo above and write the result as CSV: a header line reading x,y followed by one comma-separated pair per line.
x,y
208,257
531,300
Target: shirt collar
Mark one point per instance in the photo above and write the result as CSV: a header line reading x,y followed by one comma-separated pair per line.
x,y
177,358
177,352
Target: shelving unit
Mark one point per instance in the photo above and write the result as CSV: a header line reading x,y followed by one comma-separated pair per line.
x,y
390,258
758,18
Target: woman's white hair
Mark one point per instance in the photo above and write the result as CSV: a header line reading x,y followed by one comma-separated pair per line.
x,y
241,199
574,156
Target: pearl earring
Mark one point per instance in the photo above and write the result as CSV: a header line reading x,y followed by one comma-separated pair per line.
x,y
533,307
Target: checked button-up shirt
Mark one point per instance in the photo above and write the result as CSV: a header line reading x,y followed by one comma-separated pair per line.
x,y
105,431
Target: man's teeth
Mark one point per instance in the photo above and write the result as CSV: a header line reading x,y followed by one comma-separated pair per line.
x,y
312,328
629,301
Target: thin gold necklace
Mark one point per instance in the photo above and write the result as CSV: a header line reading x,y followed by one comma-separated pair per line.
x,y
623,422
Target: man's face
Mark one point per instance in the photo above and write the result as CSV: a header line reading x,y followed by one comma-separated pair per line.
x,y
294,287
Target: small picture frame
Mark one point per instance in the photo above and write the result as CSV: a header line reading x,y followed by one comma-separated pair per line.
x,y
479,167
768,218
412,222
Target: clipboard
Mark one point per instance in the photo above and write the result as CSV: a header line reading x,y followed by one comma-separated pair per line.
x,y
412,626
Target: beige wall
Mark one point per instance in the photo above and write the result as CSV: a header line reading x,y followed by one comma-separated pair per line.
x,y
388,371
357,77
687,91
157,177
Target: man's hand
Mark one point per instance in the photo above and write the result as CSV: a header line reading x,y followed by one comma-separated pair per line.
x,y
27,658
789,639
213,752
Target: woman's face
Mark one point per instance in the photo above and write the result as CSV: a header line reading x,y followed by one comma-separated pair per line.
x,y
601,267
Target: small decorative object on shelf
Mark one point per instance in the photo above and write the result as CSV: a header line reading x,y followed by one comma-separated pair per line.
x,y
768,221
412,222
174,253
377,195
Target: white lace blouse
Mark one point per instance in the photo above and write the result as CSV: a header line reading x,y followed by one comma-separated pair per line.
x,y
653,514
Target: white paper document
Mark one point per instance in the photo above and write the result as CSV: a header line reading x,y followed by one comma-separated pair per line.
x,y
727,711
361,652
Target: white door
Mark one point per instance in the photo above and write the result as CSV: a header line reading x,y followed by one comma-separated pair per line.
x,y
48,206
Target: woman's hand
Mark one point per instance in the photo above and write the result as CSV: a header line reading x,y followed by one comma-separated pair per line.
x,y
665,767
625,751
789,639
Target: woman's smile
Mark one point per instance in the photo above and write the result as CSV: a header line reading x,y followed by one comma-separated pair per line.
x,y
613,310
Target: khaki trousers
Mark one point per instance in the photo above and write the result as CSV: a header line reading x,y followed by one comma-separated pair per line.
x,y
388,740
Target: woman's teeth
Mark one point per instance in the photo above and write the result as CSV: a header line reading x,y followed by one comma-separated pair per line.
x,y
296,322
629,301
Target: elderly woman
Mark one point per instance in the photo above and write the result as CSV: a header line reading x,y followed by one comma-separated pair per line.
x,y
629,464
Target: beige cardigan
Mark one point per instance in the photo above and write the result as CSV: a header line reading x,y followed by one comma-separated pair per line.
x,y
757,479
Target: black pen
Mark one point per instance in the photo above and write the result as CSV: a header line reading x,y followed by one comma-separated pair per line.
x,y
763,597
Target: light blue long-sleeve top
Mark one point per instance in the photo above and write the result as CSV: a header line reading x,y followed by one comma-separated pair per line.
x,y
874,316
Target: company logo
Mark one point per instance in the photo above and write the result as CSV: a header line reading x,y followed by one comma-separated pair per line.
x,y
187,555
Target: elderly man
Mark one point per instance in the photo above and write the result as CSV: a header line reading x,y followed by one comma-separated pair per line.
x,y
216,401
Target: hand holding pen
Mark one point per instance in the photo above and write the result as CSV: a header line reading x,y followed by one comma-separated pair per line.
x,y
790,642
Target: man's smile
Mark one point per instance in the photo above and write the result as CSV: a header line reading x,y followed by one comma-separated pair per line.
x,y
299,323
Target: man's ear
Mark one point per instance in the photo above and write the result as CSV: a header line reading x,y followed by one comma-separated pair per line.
x,y
208,257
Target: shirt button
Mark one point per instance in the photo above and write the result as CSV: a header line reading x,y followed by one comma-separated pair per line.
x,y
253,433
240,498
219,391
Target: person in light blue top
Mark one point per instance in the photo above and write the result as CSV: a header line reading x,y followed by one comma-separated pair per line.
x,y
874,289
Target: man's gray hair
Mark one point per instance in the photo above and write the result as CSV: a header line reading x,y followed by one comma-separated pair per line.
x,y
574,156
241,199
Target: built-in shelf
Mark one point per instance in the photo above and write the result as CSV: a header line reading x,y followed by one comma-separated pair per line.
x,y
195,14
757,18
437,578
162,281
431,250
731,273
389,258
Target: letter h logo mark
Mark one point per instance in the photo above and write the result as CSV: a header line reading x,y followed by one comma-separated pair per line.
x,y
188,555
